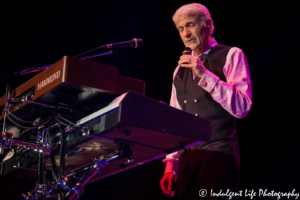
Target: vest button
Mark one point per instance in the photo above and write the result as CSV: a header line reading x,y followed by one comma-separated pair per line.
x,y
204,84
184,101
196,114
196,100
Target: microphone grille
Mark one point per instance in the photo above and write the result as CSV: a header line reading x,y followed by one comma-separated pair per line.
x,y
187,51
138,42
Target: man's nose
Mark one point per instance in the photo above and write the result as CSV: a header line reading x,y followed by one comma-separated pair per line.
x,y
186,32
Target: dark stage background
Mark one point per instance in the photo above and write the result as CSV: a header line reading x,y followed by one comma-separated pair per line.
x,y
36,33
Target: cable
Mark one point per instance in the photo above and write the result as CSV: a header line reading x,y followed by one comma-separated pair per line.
x,y
29,127
67,120
60,121
8,112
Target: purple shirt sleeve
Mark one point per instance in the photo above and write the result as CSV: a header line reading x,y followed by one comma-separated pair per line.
x,y
234,95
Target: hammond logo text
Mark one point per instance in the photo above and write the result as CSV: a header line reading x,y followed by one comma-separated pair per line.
x,y
48,80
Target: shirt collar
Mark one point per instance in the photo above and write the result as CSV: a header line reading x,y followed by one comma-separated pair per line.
x,y
210,45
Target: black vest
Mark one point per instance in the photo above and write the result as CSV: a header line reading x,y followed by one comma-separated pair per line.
x,y
197,101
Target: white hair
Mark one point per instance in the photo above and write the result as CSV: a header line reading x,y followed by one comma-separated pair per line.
x,y
196,10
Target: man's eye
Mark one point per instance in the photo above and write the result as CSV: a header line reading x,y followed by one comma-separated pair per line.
x,y
180,29
192,25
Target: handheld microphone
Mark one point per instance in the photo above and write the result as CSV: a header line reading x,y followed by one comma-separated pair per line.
x,y
134,43
179,75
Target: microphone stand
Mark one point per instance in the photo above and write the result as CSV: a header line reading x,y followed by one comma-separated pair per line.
x,y
113,51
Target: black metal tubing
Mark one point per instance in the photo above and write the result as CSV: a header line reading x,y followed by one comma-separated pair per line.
x,y
62,158
53,164
40,173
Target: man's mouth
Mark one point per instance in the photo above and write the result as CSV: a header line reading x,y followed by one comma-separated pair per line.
x,y
190,40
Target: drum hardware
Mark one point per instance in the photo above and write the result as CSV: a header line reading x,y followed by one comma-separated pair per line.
x,y
73,185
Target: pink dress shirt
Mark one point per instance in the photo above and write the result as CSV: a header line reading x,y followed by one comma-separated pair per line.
x,y
234,95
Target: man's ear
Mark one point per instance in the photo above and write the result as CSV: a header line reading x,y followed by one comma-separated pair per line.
x,y
209,25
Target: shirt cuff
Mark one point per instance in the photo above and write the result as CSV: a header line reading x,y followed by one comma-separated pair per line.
x,y
208,81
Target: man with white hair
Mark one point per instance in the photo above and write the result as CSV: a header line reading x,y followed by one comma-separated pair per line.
x,y
216,86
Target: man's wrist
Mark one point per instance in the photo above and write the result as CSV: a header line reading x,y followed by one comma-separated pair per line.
x,y
174,175
170,173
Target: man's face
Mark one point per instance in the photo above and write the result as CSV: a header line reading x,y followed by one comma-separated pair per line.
x,y
194,34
